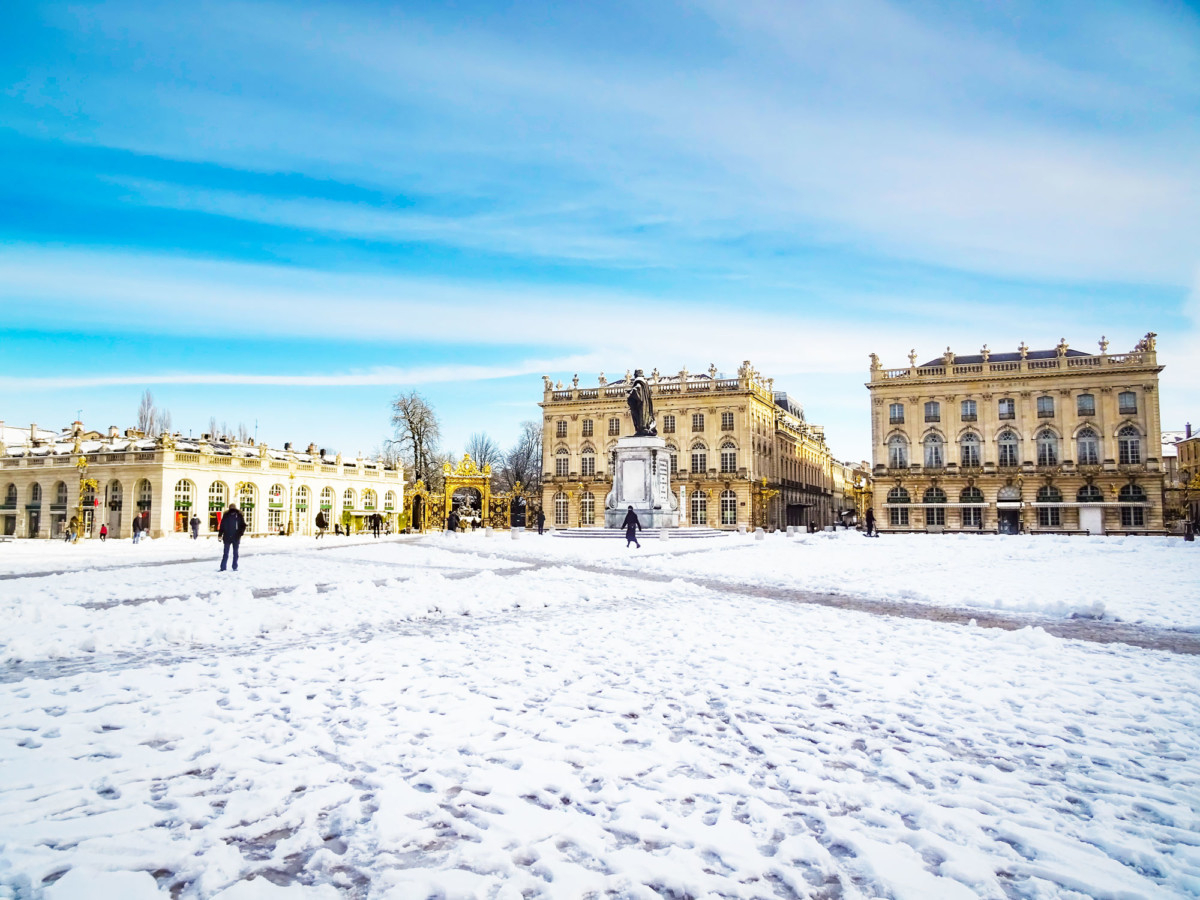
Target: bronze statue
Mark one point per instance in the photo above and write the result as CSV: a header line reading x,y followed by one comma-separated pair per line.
x,y
641,406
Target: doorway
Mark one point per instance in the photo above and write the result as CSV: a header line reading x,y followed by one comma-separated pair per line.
x,y
1091,519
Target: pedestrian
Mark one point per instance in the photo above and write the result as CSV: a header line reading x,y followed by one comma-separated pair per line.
x,y
137,528
376,524
870,522
233,526
632,526
195,523
452,522
72,529
322,523
104,531
337,529
541,520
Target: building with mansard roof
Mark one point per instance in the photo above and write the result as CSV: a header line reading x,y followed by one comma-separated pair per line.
x,y
741,453
166,480
1036,440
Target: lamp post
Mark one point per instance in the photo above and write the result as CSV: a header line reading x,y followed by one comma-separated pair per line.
x,y
84,484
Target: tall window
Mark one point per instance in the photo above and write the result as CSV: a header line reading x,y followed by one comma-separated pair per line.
x,y
896,413
935,515
1129,446
1008,408
697,421
588,427
246,504
1089,493
699,458
968,411
1047,448
587,463
614,427
560,429
185,493
274,520
348,499
1049,516
1088,448
10,495
1127,403
727,421
674,451
216,497
275,495
699,508
301,505
728,458
668,424
562,462
60,492
1007,444
561,510
728,508
369,499
1132,516
35,493
897,452
897,516
587,508
933,411
968,447
145,494
1045,407
389,499
935,452
972,515
327,498
1085,405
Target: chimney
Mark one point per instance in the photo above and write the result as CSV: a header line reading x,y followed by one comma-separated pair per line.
x,y
1189,428
287,445
112,432
312,448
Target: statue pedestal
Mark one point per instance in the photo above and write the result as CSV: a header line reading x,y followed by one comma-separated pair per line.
x,y
642,479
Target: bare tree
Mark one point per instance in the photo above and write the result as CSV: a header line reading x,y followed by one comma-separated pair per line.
x,y
484,450
417,435
151,420
523,462
213,430
243,434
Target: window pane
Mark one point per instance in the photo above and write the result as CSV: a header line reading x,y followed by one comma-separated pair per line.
x,y
1085,405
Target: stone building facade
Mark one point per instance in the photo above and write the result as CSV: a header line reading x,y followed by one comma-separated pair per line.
x,y
1187,452
1049,440
741,453
166,480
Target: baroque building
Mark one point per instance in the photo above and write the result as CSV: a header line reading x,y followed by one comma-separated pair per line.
x,y
165,480
1036,440
741,453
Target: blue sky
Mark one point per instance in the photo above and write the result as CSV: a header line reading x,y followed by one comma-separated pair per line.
x,y
284,214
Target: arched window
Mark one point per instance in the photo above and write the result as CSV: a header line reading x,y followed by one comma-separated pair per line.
x,y
562,462
327,498
1132,516
275,496
10,496
247,497
935,452
699,458
369,499
1087,446
1049,516
968,446
1047,448
145,495
674,452
728,508
217,492
561,510
60,493
728,458
934,495
35,493
898,452
302,499
699,508
113,495
185,493
1008,445
1089,493
587,463
1129,446
389,501
348,498
972,516
935,515
587,508
897,515
1127,403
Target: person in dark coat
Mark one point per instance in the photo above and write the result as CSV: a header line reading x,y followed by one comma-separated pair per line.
x,y
322,524
137,528
233,526
452,522
195,523
870,522
632,527
541,520
376,524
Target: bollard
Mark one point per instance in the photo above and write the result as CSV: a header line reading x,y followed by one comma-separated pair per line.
x,y
516,534
759,534
487,532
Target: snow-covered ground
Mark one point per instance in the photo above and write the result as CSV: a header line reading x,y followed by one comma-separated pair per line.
x,y
482,717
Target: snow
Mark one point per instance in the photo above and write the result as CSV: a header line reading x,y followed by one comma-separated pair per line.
x,y
477,716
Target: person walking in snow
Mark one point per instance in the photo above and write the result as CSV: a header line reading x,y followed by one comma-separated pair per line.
x,y
632,527
104,531
870,522
541,521
195,523
233,526
322,524
137,528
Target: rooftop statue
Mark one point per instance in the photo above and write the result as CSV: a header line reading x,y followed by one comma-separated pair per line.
x,y
641,406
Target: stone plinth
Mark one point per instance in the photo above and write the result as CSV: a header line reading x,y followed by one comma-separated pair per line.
x,y
641,469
